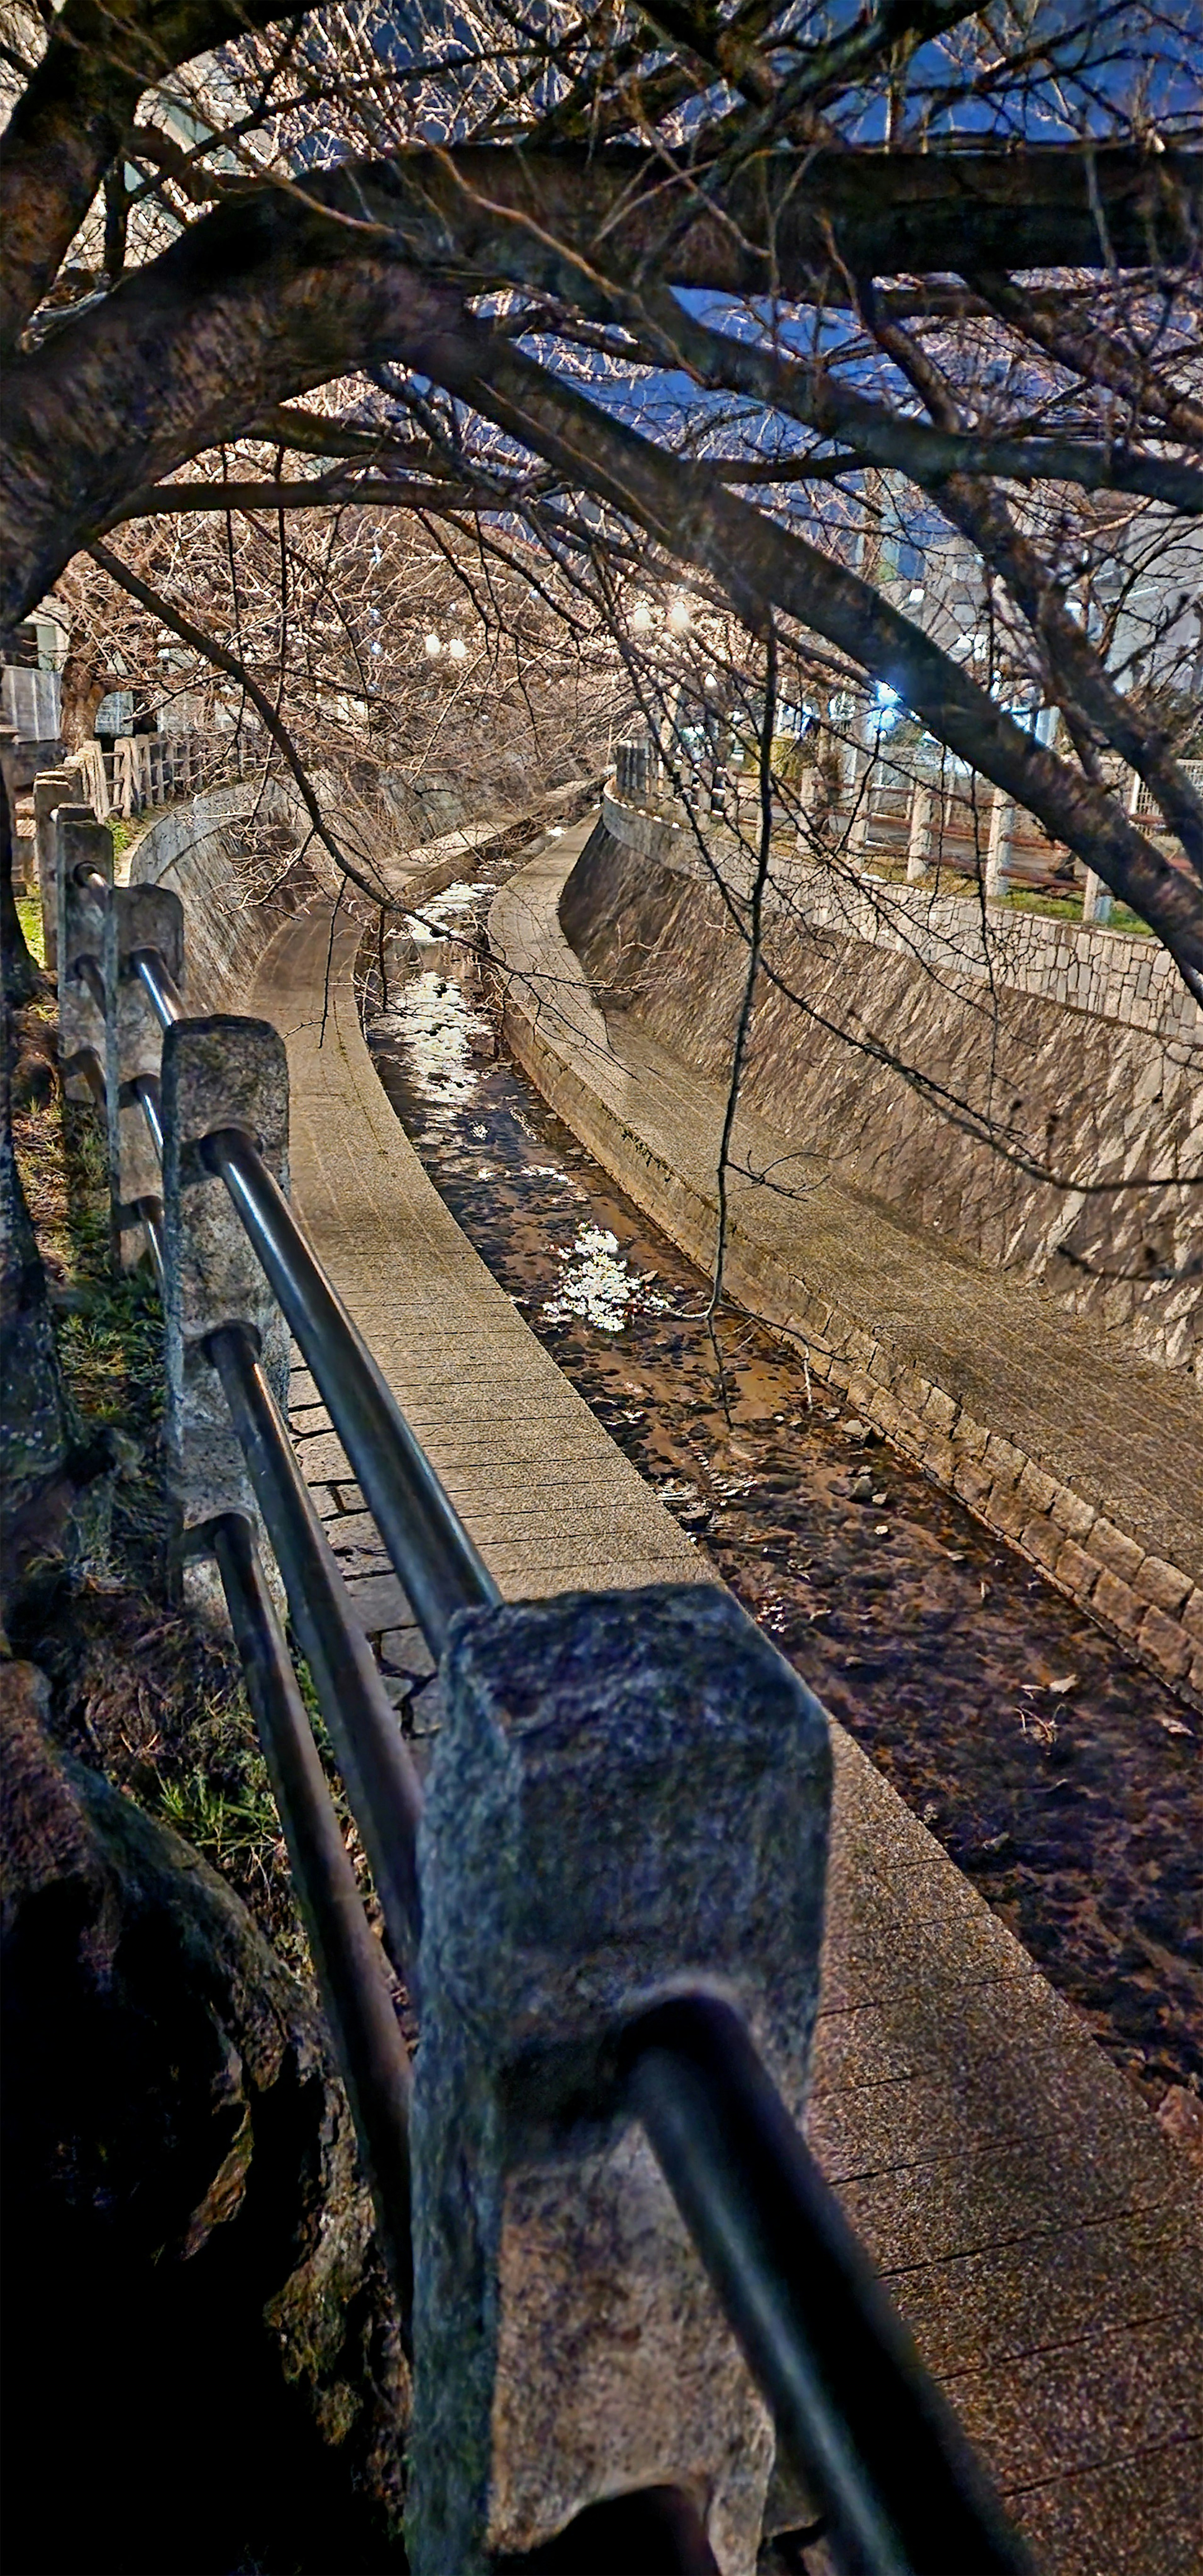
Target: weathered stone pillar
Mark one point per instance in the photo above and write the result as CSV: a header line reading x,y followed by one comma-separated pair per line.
x,y
918,844
216,1073
145,916
1097,899
629,1797
51,788
998,848
80,842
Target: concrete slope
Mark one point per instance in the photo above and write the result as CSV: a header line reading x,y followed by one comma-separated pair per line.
x,y
1088,1459
1029,2213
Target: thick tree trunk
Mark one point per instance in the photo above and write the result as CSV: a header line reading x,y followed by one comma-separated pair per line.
x,y
192,2285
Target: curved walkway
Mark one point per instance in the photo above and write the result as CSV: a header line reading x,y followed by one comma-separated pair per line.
x,y
1030,2216
1087,1458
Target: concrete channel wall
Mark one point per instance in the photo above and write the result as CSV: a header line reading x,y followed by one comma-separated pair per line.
x,y
893,1062
1112,974
1088,1460
232,856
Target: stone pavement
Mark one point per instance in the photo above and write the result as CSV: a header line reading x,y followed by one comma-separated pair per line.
x,y
1035,2226
1087,1458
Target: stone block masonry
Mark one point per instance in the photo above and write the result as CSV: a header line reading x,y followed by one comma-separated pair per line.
x,y
1111,974
585,1739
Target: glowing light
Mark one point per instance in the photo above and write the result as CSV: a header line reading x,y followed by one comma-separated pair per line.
x,y
678,617
711,680
434,646
458,649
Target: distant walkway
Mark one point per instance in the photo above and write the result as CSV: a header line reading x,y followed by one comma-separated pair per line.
x,y
1088,1458
1031,2217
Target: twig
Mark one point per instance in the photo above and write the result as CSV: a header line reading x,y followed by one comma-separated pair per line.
x,y
210,650
744,1023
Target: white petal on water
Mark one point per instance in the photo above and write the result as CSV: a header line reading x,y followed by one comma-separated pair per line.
x,y
597,1287
440,1030
442,913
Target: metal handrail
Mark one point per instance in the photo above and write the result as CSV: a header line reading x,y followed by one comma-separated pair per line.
x,y
163,993
147,1090
436,1560
346,1958
381,1782
90,976
439,1565
874,2439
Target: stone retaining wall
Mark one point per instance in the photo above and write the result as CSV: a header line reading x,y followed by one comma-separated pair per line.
x,y
1152,1606
945,1098
1112,974
1128,1583
233,904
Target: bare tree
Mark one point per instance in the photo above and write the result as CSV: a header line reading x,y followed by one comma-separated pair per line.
x,y
671,287
380,643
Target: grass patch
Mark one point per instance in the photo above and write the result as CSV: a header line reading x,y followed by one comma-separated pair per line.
x,y
1058,907
29,914
109,1330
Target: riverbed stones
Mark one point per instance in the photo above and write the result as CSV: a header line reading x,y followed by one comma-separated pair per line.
x,y
630,1794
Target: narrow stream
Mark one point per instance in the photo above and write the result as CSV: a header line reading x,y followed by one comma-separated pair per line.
x,y
1058,1774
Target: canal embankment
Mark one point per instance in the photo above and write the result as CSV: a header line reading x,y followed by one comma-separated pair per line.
x,y
1055,1431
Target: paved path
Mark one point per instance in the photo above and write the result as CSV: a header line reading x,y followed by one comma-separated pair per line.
x,y
1032,2220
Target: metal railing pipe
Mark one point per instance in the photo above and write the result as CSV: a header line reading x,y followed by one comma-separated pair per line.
x,y
165,997
425,1537
148,1091
89,973
87,1063
381,1782
150,1210
873,2437
346,1956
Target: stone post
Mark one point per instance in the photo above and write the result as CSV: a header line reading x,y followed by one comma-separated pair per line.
x,y
918,843
1097,899
9,748
145,916
216,1073
629,1798
861,792
79,842
998,849
51,788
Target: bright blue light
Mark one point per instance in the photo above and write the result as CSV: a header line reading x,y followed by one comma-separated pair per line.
x,y
889,707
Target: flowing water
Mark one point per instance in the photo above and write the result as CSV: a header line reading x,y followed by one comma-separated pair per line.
x,y
1056,1772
